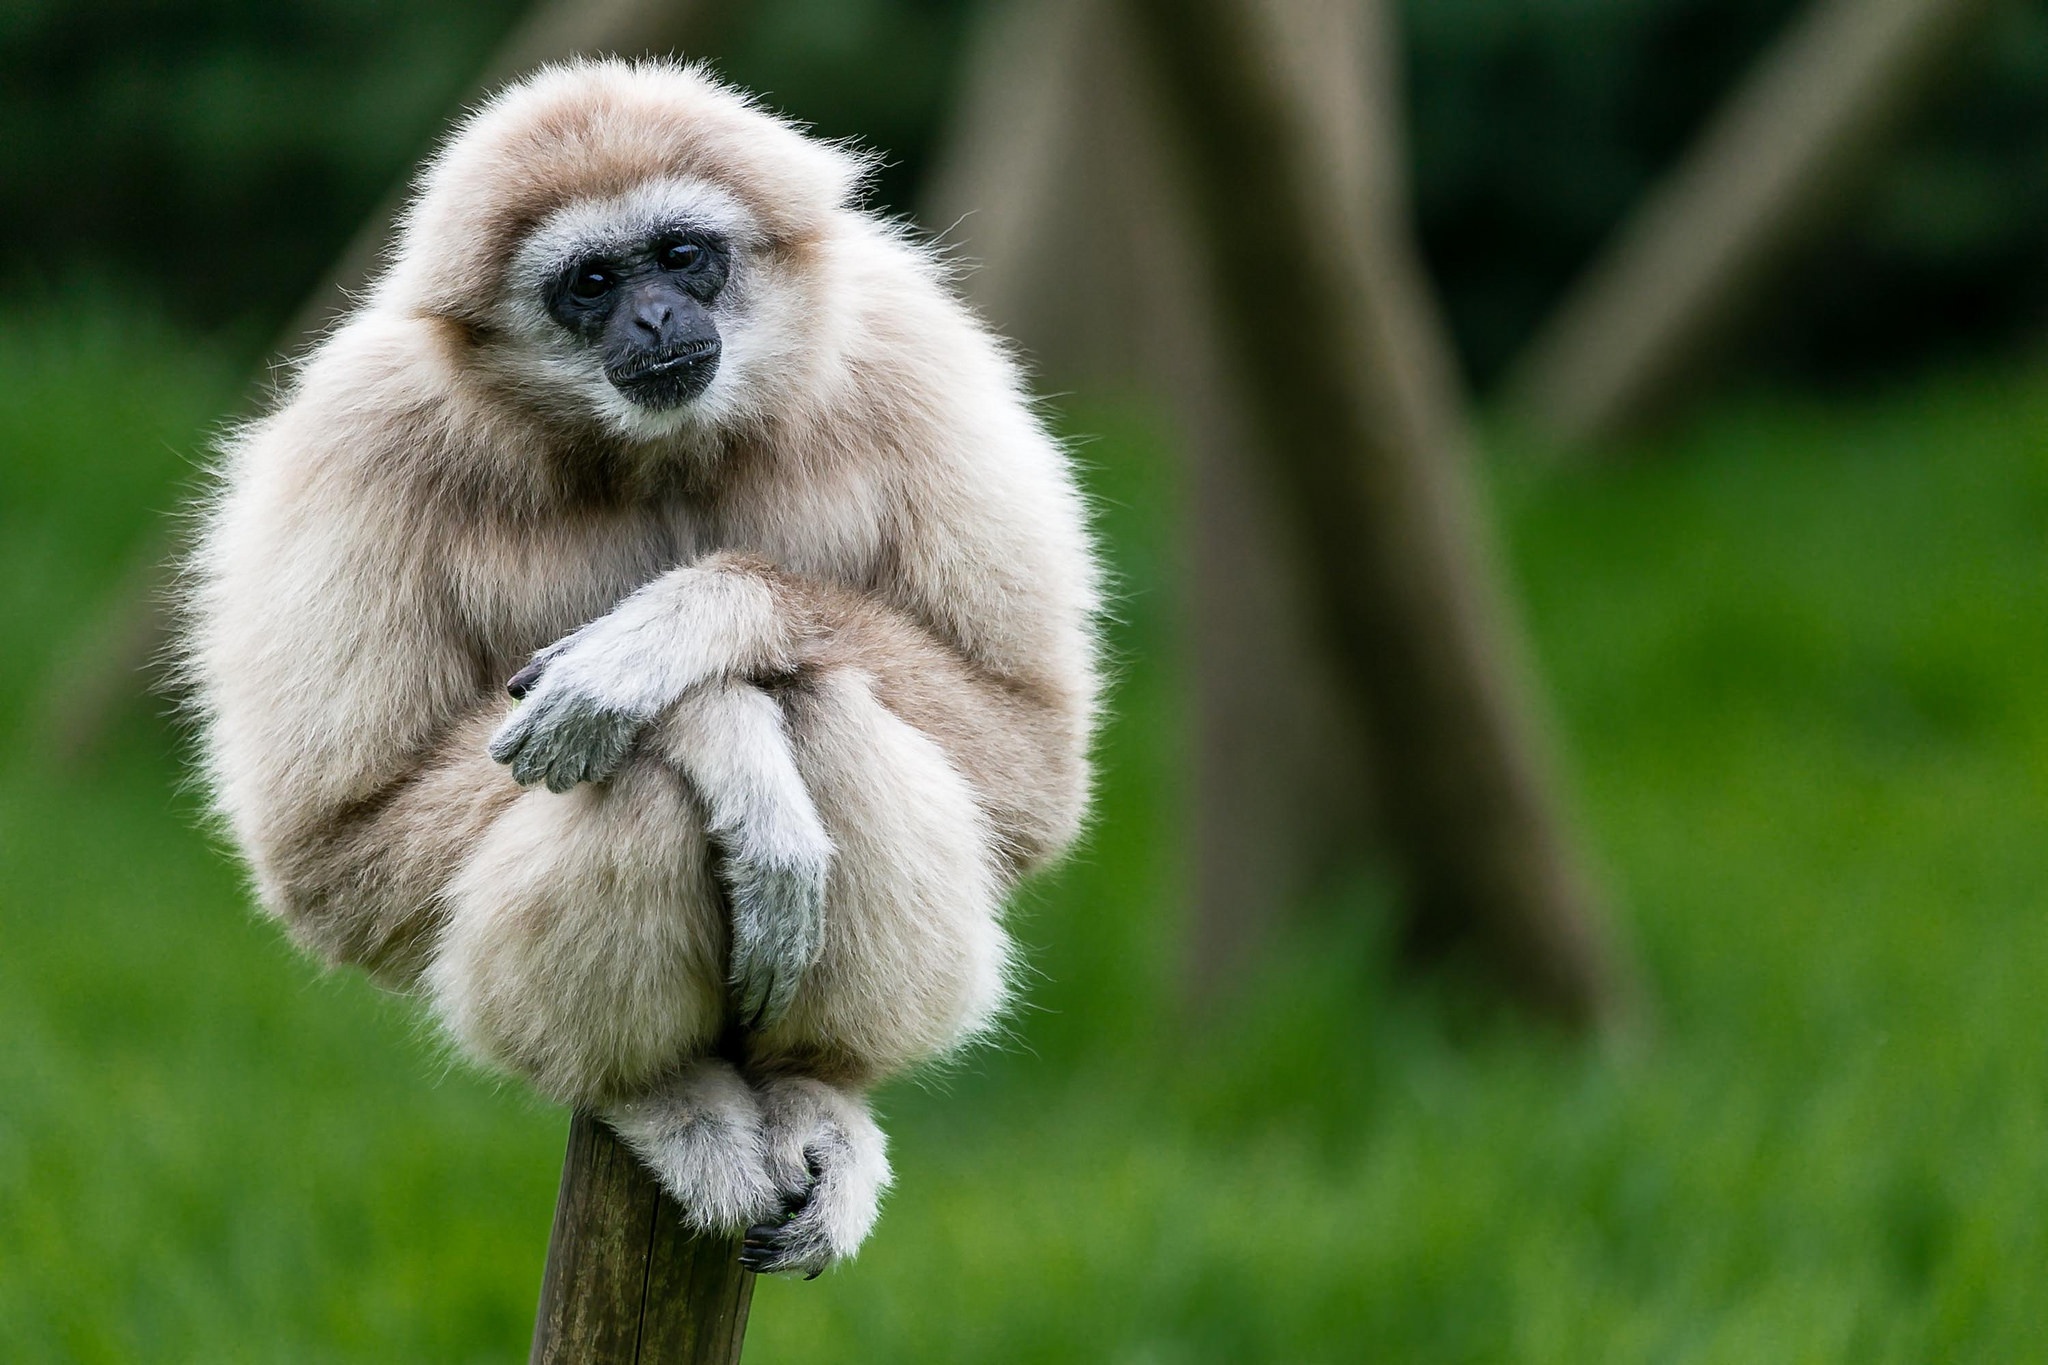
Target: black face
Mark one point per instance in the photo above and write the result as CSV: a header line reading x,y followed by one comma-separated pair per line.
x,y
647,311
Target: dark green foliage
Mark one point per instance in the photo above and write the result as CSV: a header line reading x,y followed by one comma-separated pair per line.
x,y
1537,124
879,71
214,155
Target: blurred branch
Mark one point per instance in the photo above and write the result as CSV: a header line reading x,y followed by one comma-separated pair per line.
x,y
1330,319
1783,158
111,663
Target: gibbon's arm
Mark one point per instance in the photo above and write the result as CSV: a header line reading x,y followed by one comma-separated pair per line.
x,y
347,712
344,720
1018,738
1018,750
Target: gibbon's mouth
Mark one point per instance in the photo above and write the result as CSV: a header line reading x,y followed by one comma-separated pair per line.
x,y
669,379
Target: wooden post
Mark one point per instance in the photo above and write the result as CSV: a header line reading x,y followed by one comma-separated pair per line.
x,y
626,1282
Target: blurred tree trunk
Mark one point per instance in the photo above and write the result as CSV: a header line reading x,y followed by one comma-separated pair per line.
x,y
1057,176
1348,601
1783,158
111,664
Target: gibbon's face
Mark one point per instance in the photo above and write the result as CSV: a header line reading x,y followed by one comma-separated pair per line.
x,y
653,310
645,308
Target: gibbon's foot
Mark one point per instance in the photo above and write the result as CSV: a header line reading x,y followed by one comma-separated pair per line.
x,y
702,1137
830,1165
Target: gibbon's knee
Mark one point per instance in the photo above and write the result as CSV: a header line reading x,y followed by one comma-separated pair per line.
x,y
914,958
585,944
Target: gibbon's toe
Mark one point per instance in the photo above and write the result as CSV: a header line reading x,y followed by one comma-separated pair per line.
x,y
773,1248
830,1163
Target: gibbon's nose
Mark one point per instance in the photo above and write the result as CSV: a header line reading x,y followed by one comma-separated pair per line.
x,y
653,320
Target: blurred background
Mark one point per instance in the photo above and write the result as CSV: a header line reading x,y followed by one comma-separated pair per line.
x,y
1713,334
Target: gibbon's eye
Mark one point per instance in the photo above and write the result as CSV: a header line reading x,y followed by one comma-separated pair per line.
x,y
590,282
684,256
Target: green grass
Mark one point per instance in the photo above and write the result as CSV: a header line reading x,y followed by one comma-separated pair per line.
x,y
1800,661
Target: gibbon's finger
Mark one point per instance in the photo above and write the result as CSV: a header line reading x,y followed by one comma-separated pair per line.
x,y
570,740
540,734
617,732
594,745
511,736
750,983
528,677
780,993
562,747
765,982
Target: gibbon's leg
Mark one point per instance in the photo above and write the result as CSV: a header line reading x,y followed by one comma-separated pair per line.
x,y
703,1136
585,941
830,1165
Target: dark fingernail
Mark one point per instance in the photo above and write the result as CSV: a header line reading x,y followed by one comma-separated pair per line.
x,y
522,682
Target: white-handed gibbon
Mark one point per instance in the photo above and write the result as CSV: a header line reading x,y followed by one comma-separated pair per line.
x,y
648,423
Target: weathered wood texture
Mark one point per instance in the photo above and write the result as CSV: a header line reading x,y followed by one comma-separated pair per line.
x,y
626,1282
1782,159
1327,317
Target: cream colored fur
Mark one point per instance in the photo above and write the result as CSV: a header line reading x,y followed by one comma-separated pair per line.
x,y
817,643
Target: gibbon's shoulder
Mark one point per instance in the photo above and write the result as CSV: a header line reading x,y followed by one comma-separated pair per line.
x,y
916,340
380,396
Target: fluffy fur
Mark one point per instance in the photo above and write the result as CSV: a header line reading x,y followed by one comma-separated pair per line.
x,y
815,672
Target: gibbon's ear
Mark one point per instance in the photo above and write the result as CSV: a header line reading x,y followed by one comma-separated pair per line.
x,y
591,130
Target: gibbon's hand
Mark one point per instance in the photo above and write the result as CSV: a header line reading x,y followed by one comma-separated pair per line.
x,y
588,695
573,723
778,926
774,856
